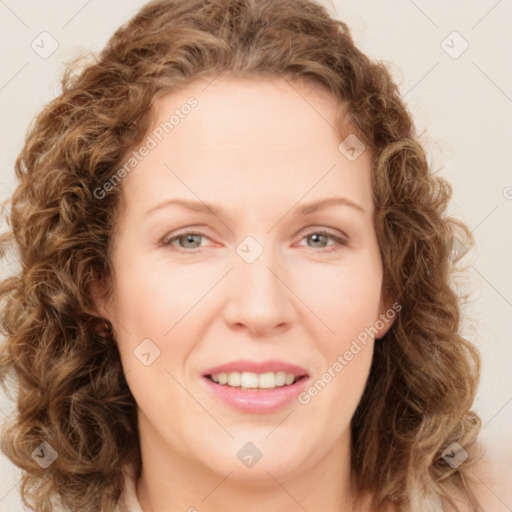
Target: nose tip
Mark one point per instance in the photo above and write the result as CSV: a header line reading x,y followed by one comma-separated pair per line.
x,y
258,299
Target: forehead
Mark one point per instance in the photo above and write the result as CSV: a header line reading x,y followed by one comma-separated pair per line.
x,y
255,107
248,136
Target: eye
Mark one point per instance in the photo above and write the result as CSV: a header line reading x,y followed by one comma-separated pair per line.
x,y
319,238
190,240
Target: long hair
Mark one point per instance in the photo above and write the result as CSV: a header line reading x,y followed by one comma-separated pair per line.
x,y
72,398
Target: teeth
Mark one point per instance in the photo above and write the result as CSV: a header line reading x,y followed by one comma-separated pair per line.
x,y
281,378
234,379
248,380
289,379
251,380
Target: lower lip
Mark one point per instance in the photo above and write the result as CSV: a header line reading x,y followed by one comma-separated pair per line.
x,y
258,401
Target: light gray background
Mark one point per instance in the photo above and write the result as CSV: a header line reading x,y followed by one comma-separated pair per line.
x,y
462,106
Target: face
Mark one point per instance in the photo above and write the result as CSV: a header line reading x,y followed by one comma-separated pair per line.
x,y
264,281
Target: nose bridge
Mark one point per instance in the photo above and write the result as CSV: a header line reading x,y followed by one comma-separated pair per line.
x,y
258,298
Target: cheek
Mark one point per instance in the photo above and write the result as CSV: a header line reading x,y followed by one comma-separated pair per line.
x,y
334,393
345,296
348,385
346,299
162,304
152,298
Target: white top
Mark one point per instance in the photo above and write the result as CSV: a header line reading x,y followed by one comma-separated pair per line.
x,y
130,503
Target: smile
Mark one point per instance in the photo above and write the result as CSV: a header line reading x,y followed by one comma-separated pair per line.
x,y
256,387
251,380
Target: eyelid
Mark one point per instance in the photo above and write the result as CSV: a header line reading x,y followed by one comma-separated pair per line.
x,y
167,239
326,231
339,237
340,240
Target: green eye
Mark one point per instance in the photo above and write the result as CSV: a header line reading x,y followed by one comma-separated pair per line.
x,y
190,241
324,236
188,237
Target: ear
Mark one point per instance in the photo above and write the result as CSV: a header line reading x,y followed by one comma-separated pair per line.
x,y
97,292
387,314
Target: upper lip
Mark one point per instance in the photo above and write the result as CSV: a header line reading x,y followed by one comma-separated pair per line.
x,y
256,367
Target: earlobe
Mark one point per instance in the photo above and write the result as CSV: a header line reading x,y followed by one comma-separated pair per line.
x,y
387,316
102,325
97,294
383,326
102,328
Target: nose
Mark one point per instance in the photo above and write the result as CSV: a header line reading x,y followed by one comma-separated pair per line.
x,y
259,299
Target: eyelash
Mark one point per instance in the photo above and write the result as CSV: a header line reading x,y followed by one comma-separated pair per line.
x,y
167,242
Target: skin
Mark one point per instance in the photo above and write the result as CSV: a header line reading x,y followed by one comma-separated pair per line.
x,y
259,149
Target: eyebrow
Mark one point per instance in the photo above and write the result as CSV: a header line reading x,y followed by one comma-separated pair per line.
x,y
305,209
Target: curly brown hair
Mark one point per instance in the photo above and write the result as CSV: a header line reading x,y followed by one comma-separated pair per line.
x,y
71,390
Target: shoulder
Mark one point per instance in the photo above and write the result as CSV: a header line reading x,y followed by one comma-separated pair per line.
x,y
129,501
489,479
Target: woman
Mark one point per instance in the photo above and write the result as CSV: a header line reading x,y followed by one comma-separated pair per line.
x,y
303,353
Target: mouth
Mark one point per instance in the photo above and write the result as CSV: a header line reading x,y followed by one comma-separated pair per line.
x,y
255,381
253,387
